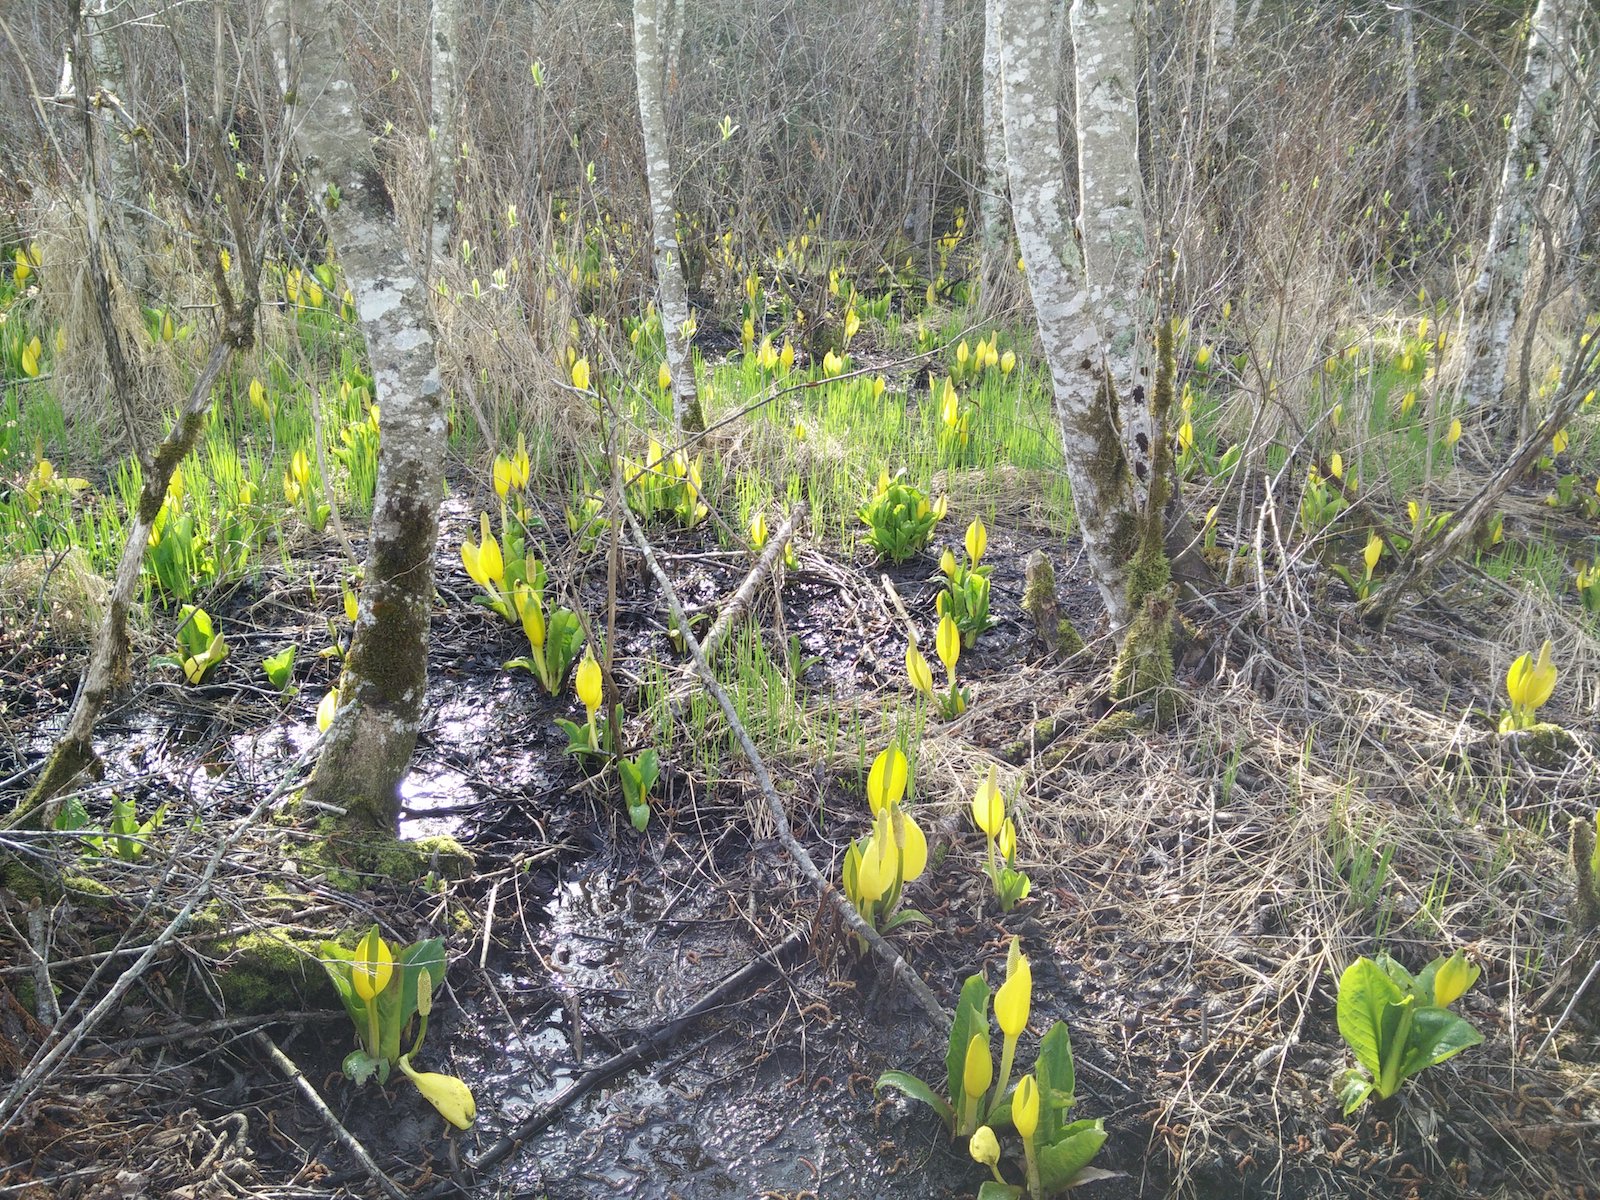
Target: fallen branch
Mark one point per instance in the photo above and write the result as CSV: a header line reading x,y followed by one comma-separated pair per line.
x,y
752,583
900,970
1417,568
652,1041
343,1136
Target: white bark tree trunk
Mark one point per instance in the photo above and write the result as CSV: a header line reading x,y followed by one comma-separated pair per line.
x,y
368,749
124,190
1494,301
443,99
1219,75
1111,215
1102,485
1412,147
994,264
674,303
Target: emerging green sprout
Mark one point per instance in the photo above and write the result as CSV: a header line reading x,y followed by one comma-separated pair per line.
x,y
1398,1024
900,518
1529,684
200,647
965,597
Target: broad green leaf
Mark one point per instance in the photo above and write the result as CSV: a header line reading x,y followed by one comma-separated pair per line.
x,y
336,961
1060,1162
972,1018
1436,1034
917,1090
1364,992
360,1067
1057,1081
992,1189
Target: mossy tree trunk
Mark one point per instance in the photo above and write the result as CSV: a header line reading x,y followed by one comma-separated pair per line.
x,y
649,69
368,749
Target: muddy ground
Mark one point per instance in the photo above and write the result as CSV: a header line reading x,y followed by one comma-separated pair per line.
x,y
1209,1051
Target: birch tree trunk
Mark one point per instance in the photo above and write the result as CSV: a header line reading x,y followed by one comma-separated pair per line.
x,y
124,191
443,98
1219,73
994,264
368,749
1494,301
1111,215
1096,466
674,303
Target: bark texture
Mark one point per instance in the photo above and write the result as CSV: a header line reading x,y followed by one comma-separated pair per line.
x,y
443,96
368,749
1111,216
119,167
649,71
1102,484
994,264
1495,298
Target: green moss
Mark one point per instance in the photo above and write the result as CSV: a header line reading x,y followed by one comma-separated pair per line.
x,y
272,972
1586,900
1068,640
353,861
1144,667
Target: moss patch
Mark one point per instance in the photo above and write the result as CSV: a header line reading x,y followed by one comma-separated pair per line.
x,y
1144,669
272,972
354,861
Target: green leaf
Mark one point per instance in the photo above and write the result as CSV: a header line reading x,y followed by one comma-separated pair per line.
x,y
280,667
336,962
360,1066
971,1019
993,1189
639,814
1353,1089
1060,1162
1365,991
917,1090
1057,1080
1436,1034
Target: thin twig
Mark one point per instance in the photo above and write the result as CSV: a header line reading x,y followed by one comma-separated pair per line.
x,y
747,590
900,970
344,1137
730,988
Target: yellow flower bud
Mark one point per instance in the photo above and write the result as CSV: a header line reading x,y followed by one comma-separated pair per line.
x,y
1014,999
586,680
580,374
978,1071
886,782
984,1146
989,805
977,540
1025,1107
918,671
948,643
1453,978
373,965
